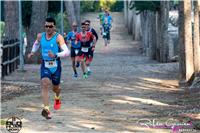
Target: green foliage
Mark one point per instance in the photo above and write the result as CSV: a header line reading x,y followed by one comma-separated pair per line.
x,y
2,122
107,3
57,17
95,6
145,5
54,6
117,6
88,6
2,28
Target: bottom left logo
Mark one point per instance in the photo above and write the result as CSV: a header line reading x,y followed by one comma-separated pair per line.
x,y
13,124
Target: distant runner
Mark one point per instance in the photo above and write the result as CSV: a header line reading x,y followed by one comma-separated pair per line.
x,y
100,17
107,25
86,38
92,45
106,32
75,49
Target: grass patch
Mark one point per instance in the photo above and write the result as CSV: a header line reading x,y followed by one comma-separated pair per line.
x,y
2,122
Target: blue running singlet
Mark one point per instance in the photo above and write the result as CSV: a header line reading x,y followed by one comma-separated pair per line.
x,y
50,67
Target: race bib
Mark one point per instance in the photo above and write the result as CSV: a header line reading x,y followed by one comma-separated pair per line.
x,y
84,49
104,33
50,64
76,51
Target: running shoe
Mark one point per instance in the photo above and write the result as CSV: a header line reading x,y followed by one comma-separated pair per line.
x,y
85,76
77,64
46,113
57,103
89,73
75,75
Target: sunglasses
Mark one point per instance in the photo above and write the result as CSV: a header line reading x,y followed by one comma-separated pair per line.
x,y
48,26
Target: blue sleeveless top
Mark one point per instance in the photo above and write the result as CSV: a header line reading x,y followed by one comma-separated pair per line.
x,y
49,45
72,37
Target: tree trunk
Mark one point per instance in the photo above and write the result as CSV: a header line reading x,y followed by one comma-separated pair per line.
x,y
130,19
77,11
143,27
164,34
39,13
152,35
196,38
186,64
158,35
11,19
138,31
126,13
71,17
147,33
134,23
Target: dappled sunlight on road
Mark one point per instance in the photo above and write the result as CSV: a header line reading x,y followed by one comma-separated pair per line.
x,y
170,84
145,101
29,109
122,101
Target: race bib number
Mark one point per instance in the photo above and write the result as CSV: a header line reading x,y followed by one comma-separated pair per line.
x,y
76,51
50,64
84,49
104,33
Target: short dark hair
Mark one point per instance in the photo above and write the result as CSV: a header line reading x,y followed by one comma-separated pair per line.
x,y
88,21
83,23
51,20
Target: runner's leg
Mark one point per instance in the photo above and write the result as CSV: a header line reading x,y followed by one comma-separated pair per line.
x,y
74,66
56,90
46,83
73,55
89,60
56,86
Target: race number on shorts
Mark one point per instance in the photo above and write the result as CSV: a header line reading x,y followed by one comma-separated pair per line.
x,y
50,64
84,49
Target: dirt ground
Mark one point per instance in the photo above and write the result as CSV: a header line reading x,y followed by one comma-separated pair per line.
x,y
126,93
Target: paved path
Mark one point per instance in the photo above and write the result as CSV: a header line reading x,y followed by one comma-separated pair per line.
x,y
124,88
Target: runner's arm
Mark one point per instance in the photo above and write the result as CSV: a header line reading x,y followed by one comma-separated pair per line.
x,y
36,44
77,39
63,46
93,38
67,39
95,34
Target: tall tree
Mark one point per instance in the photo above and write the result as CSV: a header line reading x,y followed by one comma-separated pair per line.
x,y
186,63
11,19
70,9
130,18
77,11
196,38
164,33
126,12
39,13
158,35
